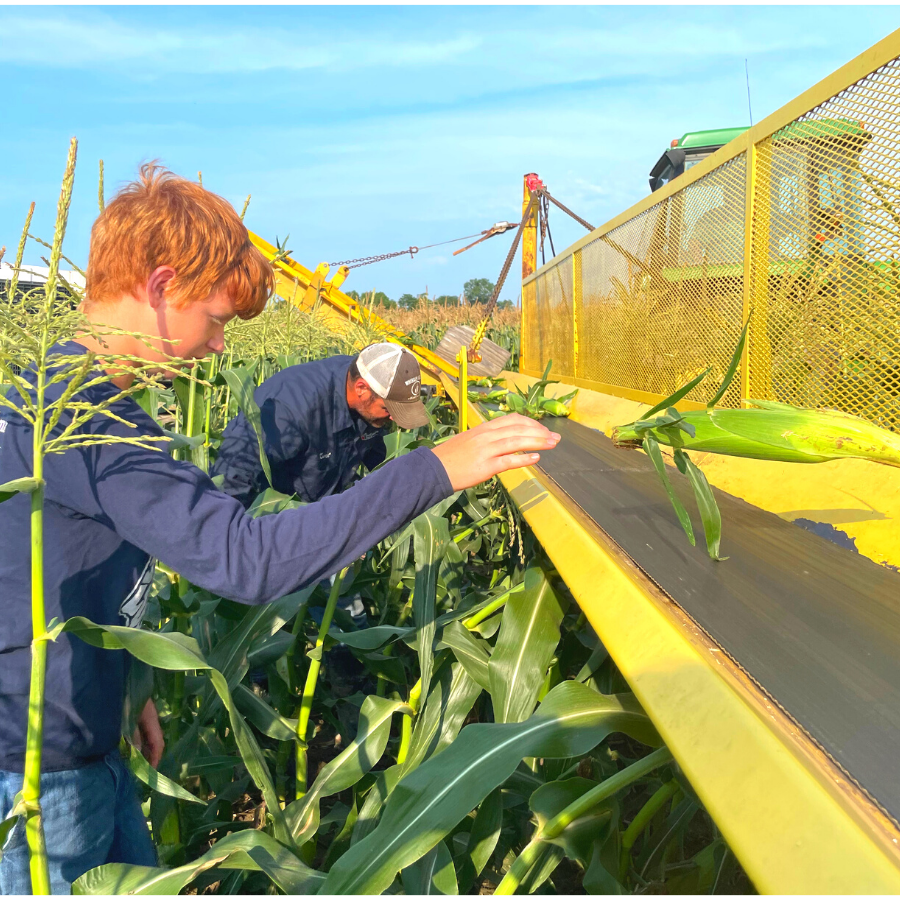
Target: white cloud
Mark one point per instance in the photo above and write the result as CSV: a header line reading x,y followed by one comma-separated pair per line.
x,y
90,39
46,37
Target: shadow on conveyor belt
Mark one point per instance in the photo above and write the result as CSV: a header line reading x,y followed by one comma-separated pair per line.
x,y
816,625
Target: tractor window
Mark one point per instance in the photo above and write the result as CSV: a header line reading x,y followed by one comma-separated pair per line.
x,y
691,159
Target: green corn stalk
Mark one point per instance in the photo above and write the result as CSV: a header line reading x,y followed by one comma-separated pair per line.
x,y
312,678
640,822
211,372
584,804
31,788
30,325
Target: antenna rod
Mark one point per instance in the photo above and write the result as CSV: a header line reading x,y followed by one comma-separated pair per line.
x,y
747,73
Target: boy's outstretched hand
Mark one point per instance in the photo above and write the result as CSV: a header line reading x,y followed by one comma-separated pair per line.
x,y
493,447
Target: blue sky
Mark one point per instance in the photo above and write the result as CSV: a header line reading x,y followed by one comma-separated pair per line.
x,y
362,130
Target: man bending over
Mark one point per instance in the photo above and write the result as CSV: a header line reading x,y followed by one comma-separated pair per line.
x,y
320,421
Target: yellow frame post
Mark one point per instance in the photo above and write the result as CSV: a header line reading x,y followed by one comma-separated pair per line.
x,y
463,359
576,304
749,210
529,233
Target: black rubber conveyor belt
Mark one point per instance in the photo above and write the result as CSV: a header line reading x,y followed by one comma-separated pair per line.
x,y
815,624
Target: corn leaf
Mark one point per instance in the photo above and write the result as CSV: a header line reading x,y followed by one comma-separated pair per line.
x,y
651,448
432,874
732,367
549,857
17,812
431,535
430,801
143,771
18,486
449,703
248,850
482,839
348,767
178,652
184,387
267,720
472,652
272,501
374,803
673,398
240,380
577,838
529,633
371,638
182,441
706,503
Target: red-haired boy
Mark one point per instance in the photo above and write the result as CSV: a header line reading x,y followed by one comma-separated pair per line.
x,y
171,260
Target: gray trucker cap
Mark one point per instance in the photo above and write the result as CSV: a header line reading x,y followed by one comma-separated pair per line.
x,y
393,373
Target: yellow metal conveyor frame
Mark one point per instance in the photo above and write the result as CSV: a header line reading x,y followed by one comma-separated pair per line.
x,y
789,814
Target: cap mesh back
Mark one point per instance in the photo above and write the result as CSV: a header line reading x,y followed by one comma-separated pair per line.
x,y
378,366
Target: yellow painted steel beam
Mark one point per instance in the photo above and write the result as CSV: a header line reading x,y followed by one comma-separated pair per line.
x,y
312,286
529,233
864,64
787,813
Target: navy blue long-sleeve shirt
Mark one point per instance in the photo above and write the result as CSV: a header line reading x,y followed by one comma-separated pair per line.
x,y
313,442
110,512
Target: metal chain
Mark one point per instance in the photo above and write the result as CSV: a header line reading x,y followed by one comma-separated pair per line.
x,y
565,209
547,224
368,260
412,251
542,215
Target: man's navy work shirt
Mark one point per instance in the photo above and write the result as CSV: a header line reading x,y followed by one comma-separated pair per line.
x,y
313,441
112,510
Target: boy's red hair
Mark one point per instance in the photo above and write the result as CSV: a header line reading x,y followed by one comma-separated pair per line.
x,y
165,220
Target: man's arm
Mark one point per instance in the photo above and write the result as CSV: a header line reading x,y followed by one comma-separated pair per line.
x,y
238,456
374,452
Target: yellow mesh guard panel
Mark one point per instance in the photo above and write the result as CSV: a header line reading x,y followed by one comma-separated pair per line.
x,y
825,255
662,294
640,306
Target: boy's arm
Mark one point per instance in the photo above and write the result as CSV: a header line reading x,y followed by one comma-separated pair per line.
x,y
172,511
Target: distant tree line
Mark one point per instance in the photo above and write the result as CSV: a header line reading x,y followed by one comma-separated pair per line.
x,y
475,290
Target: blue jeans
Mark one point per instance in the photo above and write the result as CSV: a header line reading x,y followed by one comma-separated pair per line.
x,y
92,816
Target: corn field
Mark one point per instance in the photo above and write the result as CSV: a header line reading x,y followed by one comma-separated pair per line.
x,y
472,736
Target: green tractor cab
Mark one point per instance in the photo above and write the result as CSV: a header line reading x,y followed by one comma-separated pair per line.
x,y
687,151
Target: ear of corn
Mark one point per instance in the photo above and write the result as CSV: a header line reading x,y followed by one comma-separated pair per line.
x,y
775,431
555,407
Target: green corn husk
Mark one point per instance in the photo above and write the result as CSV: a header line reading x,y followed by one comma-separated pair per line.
x,y
774,431
492,397
555,407
515,403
